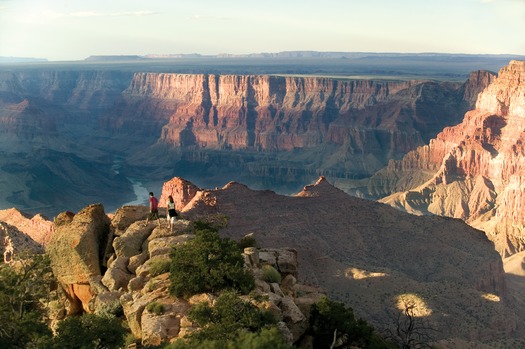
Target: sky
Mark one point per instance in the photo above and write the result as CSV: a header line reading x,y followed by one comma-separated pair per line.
x,y
73,30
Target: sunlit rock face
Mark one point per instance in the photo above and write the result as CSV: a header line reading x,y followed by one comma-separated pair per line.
x,y
338,127
268,131
474,171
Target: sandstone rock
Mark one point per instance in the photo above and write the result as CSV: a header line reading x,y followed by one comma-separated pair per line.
x,y
262,285
117,276
287,262
285,332
133,306
186,327
181,190
144,269
274,288
63,218
157,329
108,304
288,284
126,215
202,298
268,257
36,227
136,284
293,318
15,244
130,243
163,246
75,252
476,168
251,256
136,261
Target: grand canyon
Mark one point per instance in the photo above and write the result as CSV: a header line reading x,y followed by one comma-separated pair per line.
x,y
298,160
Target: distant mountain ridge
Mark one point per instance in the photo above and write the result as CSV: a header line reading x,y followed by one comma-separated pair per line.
x,y
21,59
336,55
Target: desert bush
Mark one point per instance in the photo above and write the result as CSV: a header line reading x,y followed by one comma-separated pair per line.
x,y
267,338
270,274
89,331
330,319
155,308
111,309
24,291
208,263
232,323
159,266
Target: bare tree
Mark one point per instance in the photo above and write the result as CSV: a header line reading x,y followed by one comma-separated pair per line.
x,y
410,331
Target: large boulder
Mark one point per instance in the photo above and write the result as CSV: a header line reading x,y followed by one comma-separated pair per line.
x,y
130,243
75,252
127,215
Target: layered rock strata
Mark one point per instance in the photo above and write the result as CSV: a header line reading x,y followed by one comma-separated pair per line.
x,y
36,227
340,125
475,170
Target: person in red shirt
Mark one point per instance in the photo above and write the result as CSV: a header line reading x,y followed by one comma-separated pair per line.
x,y
153,209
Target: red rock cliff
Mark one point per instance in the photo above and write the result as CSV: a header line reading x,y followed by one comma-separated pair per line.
x,y
342,126
478,166
258,112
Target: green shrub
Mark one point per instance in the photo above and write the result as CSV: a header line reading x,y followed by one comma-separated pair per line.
x,y
24,290
208,263
328,315
89,331
270,274
227,319
155,308
267,338
111,309
159,266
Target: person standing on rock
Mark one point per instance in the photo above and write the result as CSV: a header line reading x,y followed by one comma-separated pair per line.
x,y
171,213
153,209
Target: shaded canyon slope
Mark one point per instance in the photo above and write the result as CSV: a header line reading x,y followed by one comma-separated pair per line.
x,y
51,156
473,171
372,256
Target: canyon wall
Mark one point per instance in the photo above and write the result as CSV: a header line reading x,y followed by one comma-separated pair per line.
x,y
473,171
338,126
267,131
51,155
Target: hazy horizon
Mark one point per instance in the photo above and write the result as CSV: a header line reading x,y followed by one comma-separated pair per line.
x,y
63,30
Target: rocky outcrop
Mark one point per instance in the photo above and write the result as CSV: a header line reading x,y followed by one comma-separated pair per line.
x,y
474,171
75,252
15,244
136,282
36,227
371,256
181,190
